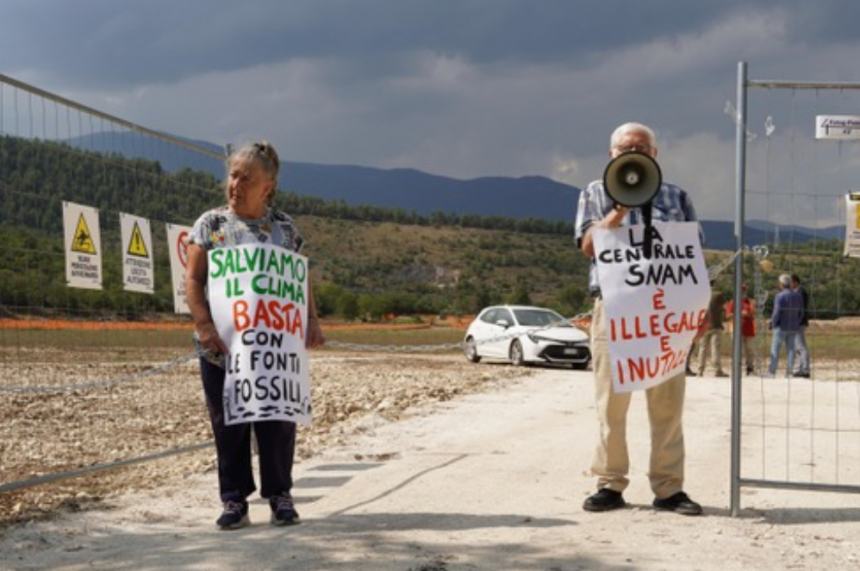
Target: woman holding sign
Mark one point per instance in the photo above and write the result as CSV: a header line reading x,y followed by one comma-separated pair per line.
x,y
247,219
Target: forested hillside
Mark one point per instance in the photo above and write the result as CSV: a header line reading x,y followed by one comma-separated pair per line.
x,y
367,260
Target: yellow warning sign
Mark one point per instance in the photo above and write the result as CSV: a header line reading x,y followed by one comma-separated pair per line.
x,y
137,246
83,240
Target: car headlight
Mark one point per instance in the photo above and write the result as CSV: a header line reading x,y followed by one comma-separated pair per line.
x,y
536,338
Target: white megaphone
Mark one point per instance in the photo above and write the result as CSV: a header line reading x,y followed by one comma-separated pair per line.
x,y
633,179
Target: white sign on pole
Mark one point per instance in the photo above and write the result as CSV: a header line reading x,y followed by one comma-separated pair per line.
x,y
177,243
257,295
137,267
653,307
83,246
838,127
852,224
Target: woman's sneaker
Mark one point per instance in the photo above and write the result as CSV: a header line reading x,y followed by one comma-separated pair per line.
x,y
234,516
283,510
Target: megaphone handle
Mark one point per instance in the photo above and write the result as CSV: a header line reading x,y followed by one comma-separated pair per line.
x,y
646,239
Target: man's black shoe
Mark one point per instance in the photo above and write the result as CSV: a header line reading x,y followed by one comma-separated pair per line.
x,y
603,501
283,510
679,503
234,516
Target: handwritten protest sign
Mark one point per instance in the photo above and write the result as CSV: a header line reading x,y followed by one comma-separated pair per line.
x,y
138,273
257,294
82,245
177,245
653,307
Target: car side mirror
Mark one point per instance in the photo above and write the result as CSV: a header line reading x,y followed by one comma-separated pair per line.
x,y
503,323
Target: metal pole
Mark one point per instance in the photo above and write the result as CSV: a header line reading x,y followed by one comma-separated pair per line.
x,y
740,171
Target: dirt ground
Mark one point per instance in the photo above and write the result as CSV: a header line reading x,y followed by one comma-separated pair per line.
x,y
495,480
46,433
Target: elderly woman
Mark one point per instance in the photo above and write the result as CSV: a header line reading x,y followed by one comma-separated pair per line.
x,y
248,217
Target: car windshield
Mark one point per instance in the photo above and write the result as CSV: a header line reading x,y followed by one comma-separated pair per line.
x,y
539,318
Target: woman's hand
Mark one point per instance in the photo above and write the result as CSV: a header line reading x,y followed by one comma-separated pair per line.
x,y
314,337
209,339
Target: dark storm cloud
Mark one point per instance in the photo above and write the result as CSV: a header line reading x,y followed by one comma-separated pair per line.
x,y
110,43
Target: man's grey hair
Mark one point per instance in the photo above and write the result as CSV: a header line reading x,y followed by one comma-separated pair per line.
x,y
622,130
785,280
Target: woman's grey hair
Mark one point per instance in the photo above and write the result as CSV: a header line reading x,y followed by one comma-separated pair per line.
x,y
622,130
265,155
785,280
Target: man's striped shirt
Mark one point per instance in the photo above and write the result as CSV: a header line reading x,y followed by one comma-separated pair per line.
x,y
671,204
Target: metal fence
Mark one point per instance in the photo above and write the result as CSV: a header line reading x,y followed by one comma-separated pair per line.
x,y
791,432
89,379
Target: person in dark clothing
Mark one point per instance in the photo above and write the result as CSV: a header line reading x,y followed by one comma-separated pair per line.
x,y
800,346
785,322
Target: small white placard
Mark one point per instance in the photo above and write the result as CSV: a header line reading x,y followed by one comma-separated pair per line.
x,y
839,127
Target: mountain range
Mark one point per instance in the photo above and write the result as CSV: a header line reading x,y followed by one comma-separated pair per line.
x,y
425,193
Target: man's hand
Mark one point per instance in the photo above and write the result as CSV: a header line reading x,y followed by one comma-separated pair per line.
x,y
611,220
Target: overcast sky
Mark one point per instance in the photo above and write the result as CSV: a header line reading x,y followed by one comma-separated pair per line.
x,y
467,88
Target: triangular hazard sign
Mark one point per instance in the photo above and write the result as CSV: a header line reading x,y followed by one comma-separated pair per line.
x,y
136,246
83,240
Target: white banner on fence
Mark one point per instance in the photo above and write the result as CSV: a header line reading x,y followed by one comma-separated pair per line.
x,y
177,244
852,224
257,295
653,308
839,127
83,246
137,267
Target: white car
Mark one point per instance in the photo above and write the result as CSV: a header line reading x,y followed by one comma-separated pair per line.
x,y
525,334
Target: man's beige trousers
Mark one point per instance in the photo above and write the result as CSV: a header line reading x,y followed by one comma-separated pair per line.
x,y
665,403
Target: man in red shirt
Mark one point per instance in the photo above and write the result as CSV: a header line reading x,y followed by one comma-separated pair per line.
x,y
747,325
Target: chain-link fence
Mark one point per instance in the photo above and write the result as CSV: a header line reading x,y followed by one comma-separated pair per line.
x,y
796,425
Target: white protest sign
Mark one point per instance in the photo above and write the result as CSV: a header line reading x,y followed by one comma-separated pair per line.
x,y
137,267
839,127
258,300
653,308
83,246
852,225
177,244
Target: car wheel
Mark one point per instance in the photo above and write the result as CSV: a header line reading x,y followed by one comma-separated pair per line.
x,y
471,351
516,353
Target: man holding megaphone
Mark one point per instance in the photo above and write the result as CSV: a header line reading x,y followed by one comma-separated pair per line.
x,y
632,192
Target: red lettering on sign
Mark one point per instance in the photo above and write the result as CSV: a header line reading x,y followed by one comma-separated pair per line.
x,y
182,248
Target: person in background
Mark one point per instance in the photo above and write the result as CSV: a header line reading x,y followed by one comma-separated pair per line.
x,y
802,349
611,462
712,338
785,322
248,218
747,326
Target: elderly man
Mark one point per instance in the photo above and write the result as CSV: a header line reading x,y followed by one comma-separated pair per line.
x,y
665,401
785,322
